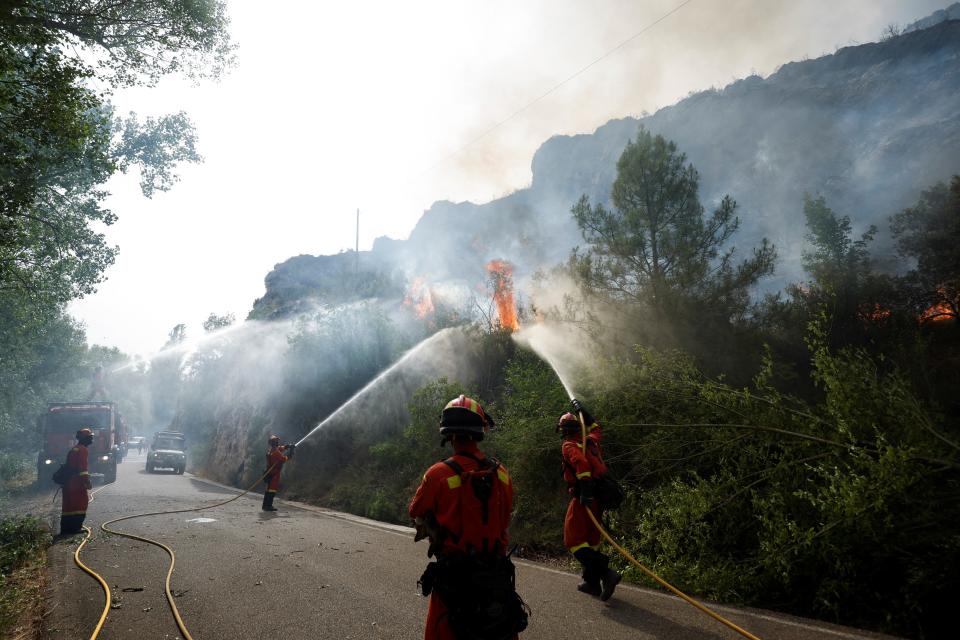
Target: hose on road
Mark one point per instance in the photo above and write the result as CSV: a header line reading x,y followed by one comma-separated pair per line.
x,y
626,554
98,578
173,556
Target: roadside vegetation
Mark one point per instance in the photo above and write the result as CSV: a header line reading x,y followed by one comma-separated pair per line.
x,y
799,452
61,140
22,561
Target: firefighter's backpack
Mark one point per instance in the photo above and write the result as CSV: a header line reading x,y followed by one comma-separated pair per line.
x,y
607,490
62,475
479,591
609,493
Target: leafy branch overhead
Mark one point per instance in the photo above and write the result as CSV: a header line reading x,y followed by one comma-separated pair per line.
x,y
60,141
130,42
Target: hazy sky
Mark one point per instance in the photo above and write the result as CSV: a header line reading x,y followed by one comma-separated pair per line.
x,y
336,106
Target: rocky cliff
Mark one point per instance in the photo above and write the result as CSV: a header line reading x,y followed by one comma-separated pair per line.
x,y
868,127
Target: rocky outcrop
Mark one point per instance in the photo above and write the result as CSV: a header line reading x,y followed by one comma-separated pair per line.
x,y
868,127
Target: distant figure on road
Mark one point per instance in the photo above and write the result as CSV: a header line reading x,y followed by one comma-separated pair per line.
x,y
97,387
463,506
75,496
580,470
275,459
139,446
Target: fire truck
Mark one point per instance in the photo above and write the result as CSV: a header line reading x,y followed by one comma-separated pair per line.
x,y
59,426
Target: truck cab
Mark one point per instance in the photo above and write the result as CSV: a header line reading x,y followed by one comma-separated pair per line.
x,y
168,451
59,425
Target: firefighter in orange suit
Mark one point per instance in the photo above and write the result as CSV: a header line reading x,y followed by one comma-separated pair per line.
x,y
580,535
463,505
277,454
75,496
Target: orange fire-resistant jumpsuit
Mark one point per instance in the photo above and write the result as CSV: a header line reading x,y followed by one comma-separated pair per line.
x,y
275,459
75,497
440,493
579,532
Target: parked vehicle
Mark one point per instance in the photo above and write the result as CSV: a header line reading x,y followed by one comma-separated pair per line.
x,y
168,451
59,425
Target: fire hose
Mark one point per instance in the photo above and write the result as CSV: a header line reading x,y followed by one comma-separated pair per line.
x,y
173,558
626,554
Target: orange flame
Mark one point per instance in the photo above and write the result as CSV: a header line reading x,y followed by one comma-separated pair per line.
x,y
501,273
876,314
419,297
937,313
940,311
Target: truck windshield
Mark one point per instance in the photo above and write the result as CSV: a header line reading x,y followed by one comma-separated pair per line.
x,y
71,420
168,443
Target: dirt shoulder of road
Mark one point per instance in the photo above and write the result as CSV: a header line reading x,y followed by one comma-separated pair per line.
x,y
25,534
22,604
31,555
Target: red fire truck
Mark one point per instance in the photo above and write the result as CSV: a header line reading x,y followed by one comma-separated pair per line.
x,y
59,426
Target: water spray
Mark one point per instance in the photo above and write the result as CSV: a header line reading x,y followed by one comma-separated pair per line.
x,y
536,341
359,394
187,346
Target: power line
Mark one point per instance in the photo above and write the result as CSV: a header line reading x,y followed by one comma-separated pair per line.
x,y
610,52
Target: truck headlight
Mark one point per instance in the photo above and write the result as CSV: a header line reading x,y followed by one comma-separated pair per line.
x,y
104,458
48,461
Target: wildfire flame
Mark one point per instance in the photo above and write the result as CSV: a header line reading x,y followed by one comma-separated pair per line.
x,y
419,298
937,313
501,273
940,311
875,314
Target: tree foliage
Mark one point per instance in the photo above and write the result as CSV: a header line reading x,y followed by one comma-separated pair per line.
x,y
59,138
656,247
928,234
132,42
60,141
836,260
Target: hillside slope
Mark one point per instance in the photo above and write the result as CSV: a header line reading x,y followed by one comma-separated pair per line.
x,y
869,127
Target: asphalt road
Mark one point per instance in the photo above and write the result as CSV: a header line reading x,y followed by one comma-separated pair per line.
x,y
310,573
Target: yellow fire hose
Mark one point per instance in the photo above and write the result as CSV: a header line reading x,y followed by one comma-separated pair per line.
x,y
98,578
173,606
626,554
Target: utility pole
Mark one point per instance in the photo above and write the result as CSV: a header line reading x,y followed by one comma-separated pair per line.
x,y
358,242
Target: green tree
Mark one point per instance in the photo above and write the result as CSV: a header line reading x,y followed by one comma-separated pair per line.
x,y
59,139
837,261
842,280
176,336
129,42
215,322
928,233
656,247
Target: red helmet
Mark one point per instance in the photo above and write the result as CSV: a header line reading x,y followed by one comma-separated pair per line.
x,y
464,416
85,436
568,424
274,441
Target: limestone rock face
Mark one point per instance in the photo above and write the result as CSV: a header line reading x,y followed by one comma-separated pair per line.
x,y
869,127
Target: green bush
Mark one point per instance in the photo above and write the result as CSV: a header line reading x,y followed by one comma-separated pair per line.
x,y
23,540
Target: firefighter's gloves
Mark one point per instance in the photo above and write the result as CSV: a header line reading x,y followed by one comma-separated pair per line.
x,y
578,407
586,491
289,449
